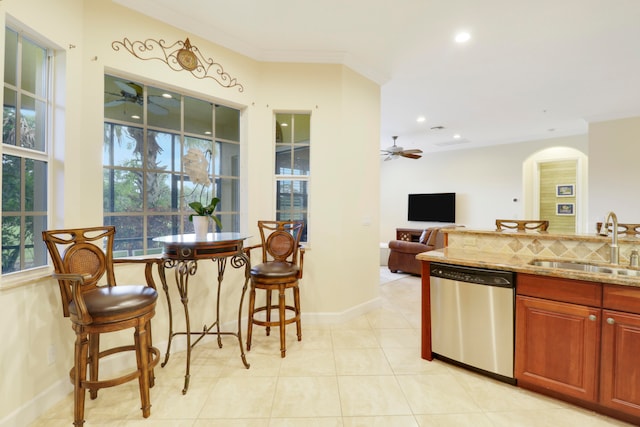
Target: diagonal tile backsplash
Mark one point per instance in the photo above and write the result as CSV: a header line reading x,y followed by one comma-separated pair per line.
x,y
584,247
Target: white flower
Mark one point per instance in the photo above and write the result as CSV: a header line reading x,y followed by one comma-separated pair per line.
x,y
196,166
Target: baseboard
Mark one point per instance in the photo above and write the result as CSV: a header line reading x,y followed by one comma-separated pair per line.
x,y
32,410
351,313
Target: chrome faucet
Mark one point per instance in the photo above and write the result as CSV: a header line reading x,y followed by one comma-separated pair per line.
x,y
604,231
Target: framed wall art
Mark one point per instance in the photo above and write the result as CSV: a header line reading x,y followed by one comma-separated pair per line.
x,y
565,209
565,190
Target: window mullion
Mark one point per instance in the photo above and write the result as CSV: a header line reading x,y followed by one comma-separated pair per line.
x,y
26,184
172,122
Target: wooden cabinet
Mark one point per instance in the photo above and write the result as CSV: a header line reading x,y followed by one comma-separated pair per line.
x,y
620,367
557,340
557,346
580,340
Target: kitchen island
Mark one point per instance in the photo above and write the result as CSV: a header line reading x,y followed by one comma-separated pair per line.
x,y
577,332
514,251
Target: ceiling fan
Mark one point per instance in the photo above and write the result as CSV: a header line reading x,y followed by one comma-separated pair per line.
x,y
396,152
132,92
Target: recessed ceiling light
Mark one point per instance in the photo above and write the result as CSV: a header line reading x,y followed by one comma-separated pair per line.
x,y
421,119
456,136
462,37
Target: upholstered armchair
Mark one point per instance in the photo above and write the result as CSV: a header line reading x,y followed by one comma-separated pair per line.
x,y
409,243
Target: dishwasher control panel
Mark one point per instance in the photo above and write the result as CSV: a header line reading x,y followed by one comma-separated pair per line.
x,y
481,276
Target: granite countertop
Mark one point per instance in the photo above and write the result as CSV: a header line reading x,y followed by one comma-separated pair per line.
x,y
585,237
520,264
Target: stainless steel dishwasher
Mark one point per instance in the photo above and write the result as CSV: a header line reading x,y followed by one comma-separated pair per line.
x,y
472,318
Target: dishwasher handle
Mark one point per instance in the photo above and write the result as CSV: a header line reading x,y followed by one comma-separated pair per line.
x,y
480,276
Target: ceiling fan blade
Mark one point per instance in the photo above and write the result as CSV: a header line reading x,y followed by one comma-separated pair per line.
x,y
413,151
165,102
156,109
392,150
130,88
114,103
410,155
126,87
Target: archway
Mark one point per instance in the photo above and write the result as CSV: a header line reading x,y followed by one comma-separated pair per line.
x,y
555,186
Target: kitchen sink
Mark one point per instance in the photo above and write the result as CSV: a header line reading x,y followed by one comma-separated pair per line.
x,y
628,272
586,267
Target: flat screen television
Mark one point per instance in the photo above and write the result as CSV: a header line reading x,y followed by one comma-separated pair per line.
x,y
435,207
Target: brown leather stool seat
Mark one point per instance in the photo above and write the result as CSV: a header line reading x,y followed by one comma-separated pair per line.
x,y
111,304
275,270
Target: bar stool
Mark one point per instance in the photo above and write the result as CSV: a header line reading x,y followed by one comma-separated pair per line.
x,y
81,257
279,271
522,224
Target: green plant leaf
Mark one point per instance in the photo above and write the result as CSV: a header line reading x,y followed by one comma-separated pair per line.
x,y
217,220
201,210
197,206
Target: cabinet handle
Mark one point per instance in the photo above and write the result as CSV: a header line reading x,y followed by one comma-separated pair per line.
x,y
611,321
592,317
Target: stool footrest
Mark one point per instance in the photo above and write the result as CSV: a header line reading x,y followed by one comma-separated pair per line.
x,y
98,384
275,322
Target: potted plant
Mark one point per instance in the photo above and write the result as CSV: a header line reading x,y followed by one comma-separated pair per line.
x,y
196,165
205,211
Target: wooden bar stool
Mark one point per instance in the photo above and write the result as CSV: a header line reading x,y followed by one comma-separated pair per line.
x,y
522,224
627,229
279,271
81,257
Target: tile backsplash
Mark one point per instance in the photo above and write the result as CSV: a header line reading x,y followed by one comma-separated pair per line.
x,y
590,248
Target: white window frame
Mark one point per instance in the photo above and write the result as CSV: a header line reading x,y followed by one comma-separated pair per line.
x,y
293,177
27,275
183,210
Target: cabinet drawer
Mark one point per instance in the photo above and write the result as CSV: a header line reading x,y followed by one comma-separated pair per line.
x,y
558,289
622,298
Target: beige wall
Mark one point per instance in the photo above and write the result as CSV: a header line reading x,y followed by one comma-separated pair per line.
x,y
341,264
614,174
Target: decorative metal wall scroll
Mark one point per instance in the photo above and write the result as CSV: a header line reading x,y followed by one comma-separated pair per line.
x,y
179,56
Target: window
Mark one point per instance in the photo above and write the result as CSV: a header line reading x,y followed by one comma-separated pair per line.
x,y
25,145
147,131
293,137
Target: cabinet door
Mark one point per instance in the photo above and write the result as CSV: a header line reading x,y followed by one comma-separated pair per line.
x,y
620,380
557,346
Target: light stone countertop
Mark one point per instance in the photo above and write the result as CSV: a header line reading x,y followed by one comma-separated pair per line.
x,y
520,264
585,237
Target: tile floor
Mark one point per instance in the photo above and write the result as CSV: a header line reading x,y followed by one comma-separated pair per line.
x,y
366,372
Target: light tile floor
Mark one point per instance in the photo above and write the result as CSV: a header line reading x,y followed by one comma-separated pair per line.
x,y
366,372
